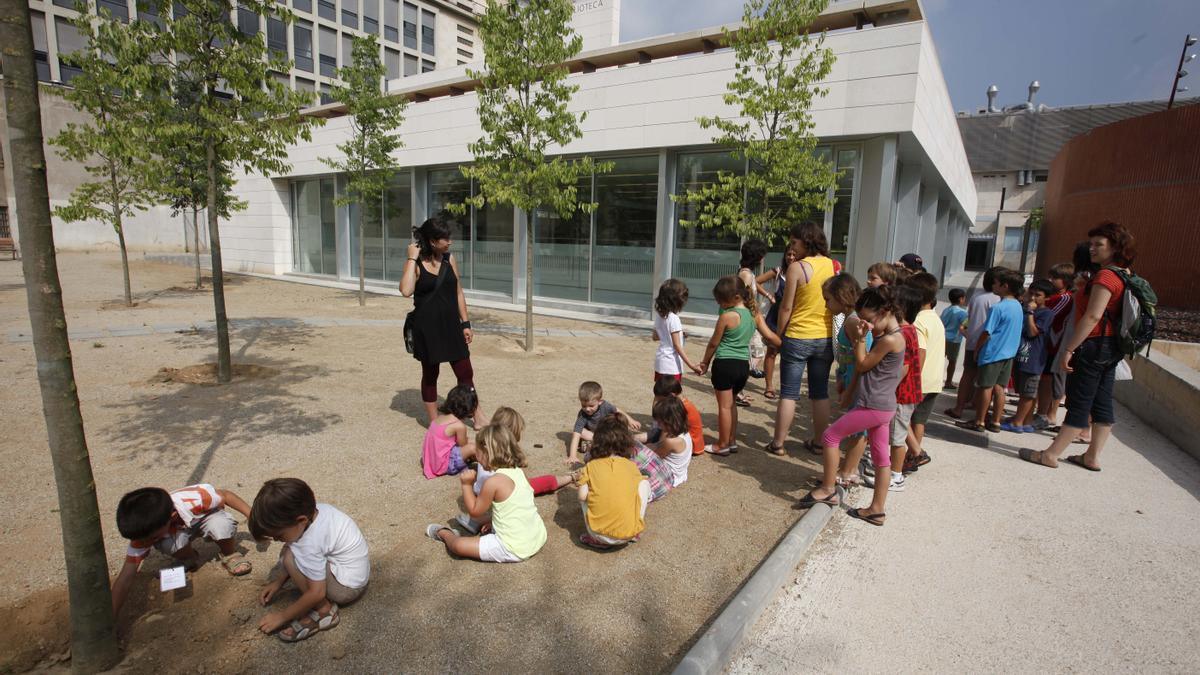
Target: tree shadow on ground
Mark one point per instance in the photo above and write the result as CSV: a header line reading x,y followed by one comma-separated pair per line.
x,y
156,427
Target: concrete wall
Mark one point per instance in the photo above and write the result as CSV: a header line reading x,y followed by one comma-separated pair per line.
x,y
1165,392
598,22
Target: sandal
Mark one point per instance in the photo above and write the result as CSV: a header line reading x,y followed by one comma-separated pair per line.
x,y
776,450
951,412
853,480
236,564
742,401
808,501
1077,460
302,632
875,519
712,450
771,394
814,447
994,428
970,426
1027,455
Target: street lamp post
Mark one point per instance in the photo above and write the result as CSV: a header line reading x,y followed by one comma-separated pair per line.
x,y
1180,73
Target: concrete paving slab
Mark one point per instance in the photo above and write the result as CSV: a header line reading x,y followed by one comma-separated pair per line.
x,y
130,331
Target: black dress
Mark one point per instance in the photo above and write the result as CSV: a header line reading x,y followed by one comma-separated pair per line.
x,y
437,332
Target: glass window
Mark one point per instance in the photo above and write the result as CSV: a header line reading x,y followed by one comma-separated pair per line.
x,y
370,12
1013,237
410,26
702,256
118,8
347,50
305,85
446,187
69,4
427,20
302,42
68,42
328,49
561,250
492,249
302,5
426,66
350,13
149,12
41,55
391,59
315,227
277,36
326,94
840,229
397,214
391,20
327,10
247,20
410,65
372,233
626,229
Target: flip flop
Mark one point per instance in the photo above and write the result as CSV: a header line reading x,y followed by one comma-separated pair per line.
x,y
770,394
994,428
875,519
1083,441
808,501
725,452
811,446
1027,455
1077,460
949,412
236,564
970,426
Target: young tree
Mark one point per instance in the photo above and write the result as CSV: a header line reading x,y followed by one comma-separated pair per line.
x,y
523,99
778,67
243,118
93,633
112,145
369,162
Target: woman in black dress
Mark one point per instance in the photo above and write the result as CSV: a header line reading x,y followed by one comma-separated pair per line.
x,y
441,329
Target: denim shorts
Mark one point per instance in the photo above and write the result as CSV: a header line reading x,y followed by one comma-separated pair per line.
x,y
1090,384
794,355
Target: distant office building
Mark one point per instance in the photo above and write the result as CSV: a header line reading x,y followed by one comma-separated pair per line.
x,y
1010,152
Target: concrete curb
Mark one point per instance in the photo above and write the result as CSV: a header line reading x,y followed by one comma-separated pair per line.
x,y
713,651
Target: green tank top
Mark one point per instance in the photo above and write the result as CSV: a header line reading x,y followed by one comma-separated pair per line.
x,y
516,520
735,342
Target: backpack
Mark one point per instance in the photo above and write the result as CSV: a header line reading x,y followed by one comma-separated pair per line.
x,y
1135,329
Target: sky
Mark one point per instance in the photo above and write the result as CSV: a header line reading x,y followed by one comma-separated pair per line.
x,y
1081,51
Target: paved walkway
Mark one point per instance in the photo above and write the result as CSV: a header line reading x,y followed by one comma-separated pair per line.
x,y
991,564
133,330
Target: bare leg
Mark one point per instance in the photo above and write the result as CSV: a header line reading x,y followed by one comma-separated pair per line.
x,y
829,471
997,404
966,387
463,547
769,368
854,455
883,478
1024,411
468,451
1059,445
785,412
983,399
1100,434
725,418
733,427
301,582
820,419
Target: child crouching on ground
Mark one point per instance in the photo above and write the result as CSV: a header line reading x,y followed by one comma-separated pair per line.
x,y
593,409
542,485
324,557
613,494
446,450
169,521
517,530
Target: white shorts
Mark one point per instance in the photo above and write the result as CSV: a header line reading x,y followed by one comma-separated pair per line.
x,y
491,549
900,423
217,526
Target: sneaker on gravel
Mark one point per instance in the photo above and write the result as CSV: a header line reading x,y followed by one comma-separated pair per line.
x,y
897,484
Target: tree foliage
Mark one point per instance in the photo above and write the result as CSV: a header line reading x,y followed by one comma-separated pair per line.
x,y
774,85
113,145
369,162
523,110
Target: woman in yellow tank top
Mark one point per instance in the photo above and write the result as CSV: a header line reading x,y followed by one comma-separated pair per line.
x,y
807,337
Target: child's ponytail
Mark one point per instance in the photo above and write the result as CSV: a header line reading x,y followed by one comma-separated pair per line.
x,y
747,297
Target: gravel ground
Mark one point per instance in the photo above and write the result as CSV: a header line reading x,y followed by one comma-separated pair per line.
x,y
342,413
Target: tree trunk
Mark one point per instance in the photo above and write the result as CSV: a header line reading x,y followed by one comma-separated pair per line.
x,y
362,259
224,365
529,281
196,245
93,634
120,228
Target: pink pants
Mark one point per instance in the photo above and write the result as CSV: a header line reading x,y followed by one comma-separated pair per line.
x,y
875,422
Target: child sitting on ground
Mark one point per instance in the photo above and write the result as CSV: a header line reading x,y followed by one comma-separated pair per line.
x,y
324,557
668,387
542,485
446,450
592,410
1031,356
675,448
169,521
613,494
517,530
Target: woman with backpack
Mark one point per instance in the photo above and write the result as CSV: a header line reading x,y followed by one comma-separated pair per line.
x,y
1091,354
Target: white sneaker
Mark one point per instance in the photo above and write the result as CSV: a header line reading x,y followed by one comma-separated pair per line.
x,y
467,523
898,483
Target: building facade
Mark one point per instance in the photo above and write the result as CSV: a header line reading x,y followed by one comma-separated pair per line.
x,y
887,124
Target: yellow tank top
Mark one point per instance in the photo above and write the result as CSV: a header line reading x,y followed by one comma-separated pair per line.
x,y
810,318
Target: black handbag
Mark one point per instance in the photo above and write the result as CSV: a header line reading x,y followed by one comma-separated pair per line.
x,y
408,320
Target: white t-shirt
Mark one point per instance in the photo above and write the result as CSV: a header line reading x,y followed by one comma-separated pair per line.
x,y
678,461
977,316
333,538
666,360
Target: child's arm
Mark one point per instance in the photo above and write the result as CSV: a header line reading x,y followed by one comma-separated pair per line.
x,y
795,270
718,333
233,501
573,448
983,339
629,421
460,433
765,277
765,330
847,397
122,584
668,446
677,343
315,594
864,360
1031,329
496,488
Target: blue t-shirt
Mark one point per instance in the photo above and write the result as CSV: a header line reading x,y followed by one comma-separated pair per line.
x,y
1003,326
953,318
1031,357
